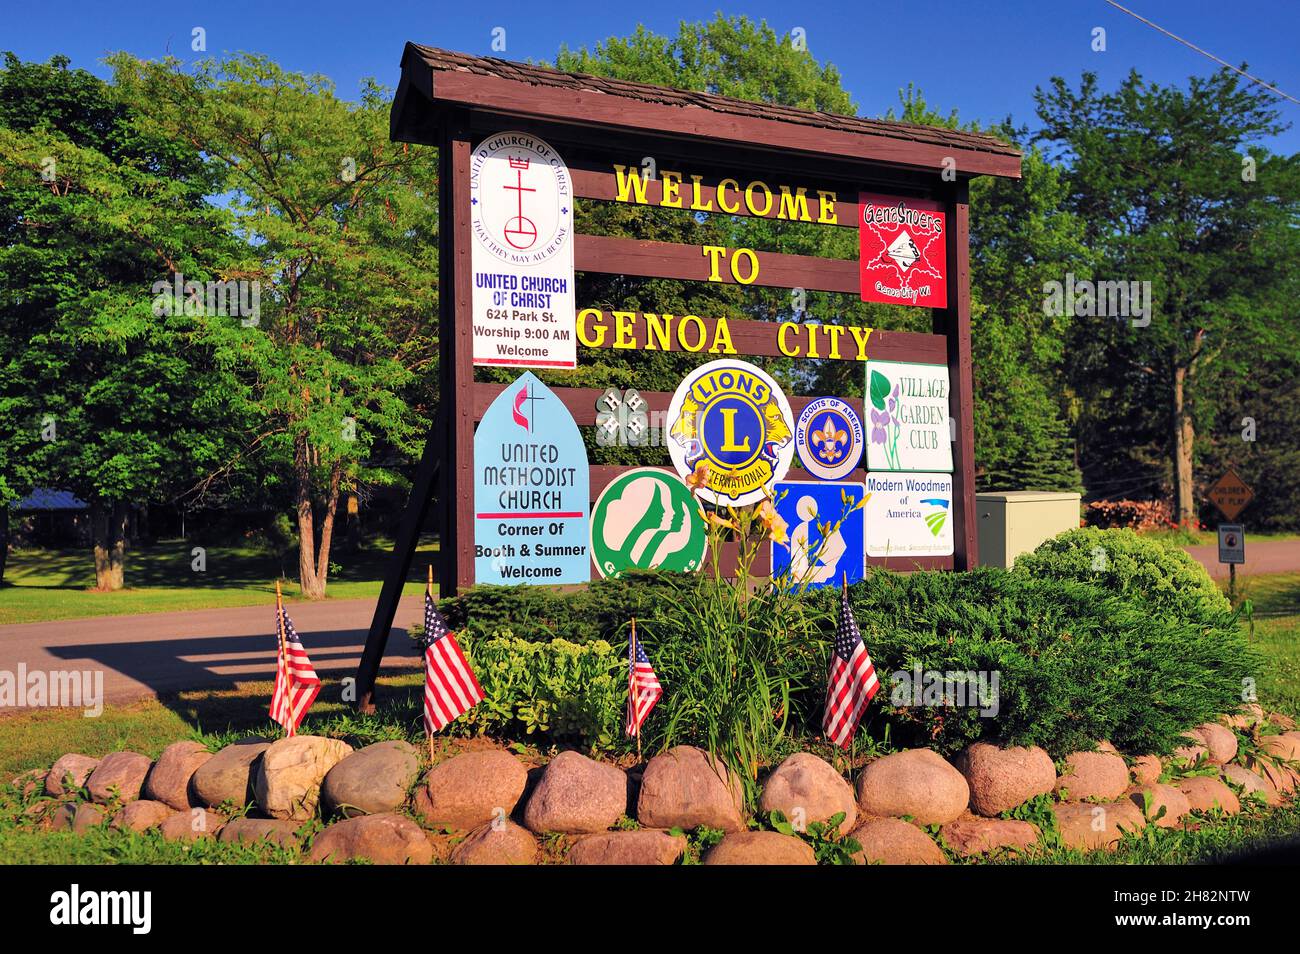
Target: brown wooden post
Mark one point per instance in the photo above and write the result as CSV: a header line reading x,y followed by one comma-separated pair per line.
x,y
458,352
954,322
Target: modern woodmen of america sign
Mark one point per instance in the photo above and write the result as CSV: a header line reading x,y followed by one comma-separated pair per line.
x,y
521,148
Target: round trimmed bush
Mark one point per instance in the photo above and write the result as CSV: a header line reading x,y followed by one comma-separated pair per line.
x,y
1160,576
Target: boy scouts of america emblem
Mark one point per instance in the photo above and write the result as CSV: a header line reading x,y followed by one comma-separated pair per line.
x,y
733,417
828,436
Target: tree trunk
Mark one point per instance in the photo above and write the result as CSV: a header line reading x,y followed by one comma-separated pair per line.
x,y
1184,436
4,539
108,533
327,528
312,586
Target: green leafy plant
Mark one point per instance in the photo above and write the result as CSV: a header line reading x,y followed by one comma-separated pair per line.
x,y
823,837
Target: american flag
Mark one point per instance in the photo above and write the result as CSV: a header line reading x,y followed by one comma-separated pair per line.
x,y
643,689
296,682
852,679
450,686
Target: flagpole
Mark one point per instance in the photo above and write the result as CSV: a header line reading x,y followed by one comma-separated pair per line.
x,y
631,685
286,697
428,592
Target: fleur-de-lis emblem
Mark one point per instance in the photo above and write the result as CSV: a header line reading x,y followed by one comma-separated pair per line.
x,y
828,440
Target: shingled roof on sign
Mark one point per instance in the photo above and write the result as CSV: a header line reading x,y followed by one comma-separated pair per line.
x,y
446,79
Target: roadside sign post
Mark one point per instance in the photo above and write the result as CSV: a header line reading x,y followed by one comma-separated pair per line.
x,y
1231,496
1232,550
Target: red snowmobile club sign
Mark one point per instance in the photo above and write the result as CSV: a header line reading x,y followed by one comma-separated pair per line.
x,y
902,248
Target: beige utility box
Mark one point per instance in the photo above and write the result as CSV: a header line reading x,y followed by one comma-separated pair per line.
x,y
1012,522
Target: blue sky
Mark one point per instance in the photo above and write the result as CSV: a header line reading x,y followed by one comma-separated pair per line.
x,y
983,58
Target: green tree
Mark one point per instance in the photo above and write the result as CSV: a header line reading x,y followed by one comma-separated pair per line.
x,y
1174,190
101,394
339,226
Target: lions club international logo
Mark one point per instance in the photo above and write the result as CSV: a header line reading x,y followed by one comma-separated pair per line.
x,y
828,436
733,417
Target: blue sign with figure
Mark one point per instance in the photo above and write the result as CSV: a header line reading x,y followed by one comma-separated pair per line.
x,y
530,490
825,530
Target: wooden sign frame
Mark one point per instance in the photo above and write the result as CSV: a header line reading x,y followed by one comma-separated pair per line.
x,y
454,100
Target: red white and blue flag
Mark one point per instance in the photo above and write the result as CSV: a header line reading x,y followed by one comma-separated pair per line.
x,y
852,679
643,689
450,686
296,682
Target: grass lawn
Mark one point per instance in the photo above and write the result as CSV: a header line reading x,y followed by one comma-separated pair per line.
x,y
45,585
1275,599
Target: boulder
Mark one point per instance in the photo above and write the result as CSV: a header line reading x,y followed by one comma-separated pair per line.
x,y
250,830
644,847
169,779
918,783
1088,827
760,848
119,775
686,788
577,794
503,843
1251,783
1001,779
77,817
371,781
978,836
892,841
1285,746
69,773
227,777
1220,742
1206,794
1194,749
288,778
808,789
30,782
1247,716
1102,776
141,815
471,789
1280,720
1146,769
1173,802
1280,779
191,825
383,839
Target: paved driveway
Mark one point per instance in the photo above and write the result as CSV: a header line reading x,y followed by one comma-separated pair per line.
x,y
145,655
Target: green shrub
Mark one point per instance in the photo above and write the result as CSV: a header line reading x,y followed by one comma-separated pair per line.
x,y
1075,664
556,691
1145,571
746,677
600,610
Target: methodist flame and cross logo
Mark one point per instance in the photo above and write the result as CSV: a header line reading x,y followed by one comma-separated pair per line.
x,y
521,200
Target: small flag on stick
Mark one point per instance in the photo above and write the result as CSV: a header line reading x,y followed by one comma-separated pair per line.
x,y
643,689
450,686
852,680
296,682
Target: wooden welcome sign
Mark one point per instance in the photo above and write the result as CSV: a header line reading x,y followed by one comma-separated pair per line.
x,y
528,130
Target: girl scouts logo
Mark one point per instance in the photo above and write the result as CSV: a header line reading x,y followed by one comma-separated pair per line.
x,y
733,417
828,436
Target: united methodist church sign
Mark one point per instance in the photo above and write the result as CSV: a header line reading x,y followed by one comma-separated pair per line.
x,y
520,148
